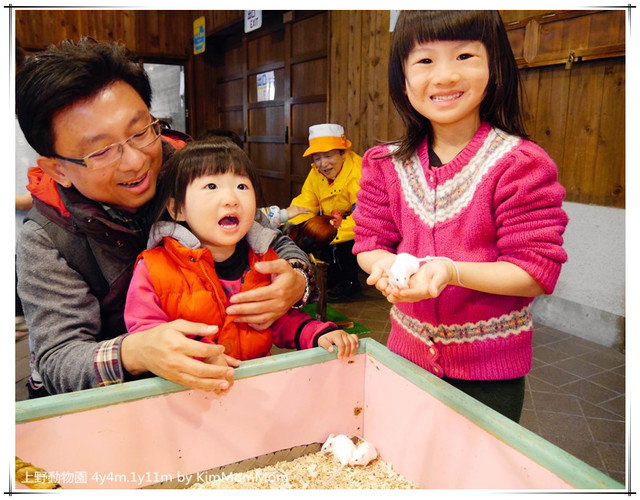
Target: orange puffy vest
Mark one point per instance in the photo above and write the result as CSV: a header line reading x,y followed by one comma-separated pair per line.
x,y
189,288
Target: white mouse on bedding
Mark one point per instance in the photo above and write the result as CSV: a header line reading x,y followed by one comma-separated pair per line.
x,y
341,447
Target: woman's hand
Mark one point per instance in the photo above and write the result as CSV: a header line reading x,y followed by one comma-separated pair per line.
x,y
347,343
295,210
336,218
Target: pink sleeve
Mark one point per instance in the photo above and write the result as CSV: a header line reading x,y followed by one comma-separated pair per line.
x,y
298,330
529,217
142,310
374,228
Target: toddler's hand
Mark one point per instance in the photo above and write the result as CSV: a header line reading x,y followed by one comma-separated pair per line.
x,y
225,360
347,343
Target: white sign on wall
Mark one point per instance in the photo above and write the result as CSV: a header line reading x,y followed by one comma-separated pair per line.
x,y
252,20
393,18
266,86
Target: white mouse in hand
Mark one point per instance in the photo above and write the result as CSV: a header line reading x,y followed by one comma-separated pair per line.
x,y
341,447
364,454
404,266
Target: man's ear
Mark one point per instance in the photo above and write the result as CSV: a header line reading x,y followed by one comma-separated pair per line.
x,y
53,169
171,208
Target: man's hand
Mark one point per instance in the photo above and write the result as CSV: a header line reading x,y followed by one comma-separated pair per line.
x,y
166,352
260,307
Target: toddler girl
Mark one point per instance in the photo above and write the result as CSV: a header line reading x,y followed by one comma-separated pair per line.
x,y
203,251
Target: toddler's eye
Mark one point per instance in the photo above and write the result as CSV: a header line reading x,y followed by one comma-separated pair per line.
x,y
211,185
462,57
426,60
243,187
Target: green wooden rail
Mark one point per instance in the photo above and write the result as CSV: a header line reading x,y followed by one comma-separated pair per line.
x,y
564,465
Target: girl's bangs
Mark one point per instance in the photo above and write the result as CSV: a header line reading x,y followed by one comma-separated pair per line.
x,y
431,26
216,161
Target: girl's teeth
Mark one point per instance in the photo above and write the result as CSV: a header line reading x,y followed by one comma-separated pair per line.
x,y
446,97
229,221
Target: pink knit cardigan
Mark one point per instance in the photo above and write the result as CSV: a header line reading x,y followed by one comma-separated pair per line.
x,y
498,200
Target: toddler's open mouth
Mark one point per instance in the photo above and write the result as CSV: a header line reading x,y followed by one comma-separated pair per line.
x,y
229,221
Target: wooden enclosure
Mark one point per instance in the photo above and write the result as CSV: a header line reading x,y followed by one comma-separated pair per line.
x,y
332,66
154,431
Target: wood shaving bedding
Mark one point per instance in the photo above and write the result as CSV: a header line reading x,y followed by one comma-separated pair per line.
x,y
312,471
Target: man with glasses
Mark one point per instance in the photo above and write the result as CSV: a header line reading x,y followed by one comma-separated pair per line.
x,y
84,107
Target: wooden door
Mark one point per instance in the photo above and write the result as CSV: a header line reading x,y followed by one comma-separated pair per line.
x,y
292,45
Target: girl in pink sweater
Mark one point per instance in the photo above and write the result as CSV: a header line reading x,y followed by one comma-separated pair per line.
x,y
465,187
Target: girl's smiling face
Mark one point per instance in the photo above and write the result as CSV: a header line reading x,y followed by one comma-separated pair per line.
x,y
219,210
446,81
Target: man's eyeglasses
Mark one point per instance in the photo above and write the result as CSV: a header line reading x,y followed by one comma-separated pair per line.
x,y
111,154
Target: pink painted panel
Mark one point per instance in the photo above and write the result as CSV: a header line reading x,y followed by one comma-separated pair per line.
x,y
433,446
142,442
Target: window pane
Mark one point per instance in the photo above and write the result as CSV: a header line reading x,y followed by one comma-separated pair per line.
x,y
167,84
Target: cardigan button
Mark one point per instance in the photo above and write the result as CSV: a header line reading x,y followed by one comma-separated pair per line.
x,y
119,243
192,259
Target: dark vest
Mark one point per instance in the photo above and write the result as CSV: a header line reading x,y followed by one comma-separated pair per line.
x,y
102,251
106,266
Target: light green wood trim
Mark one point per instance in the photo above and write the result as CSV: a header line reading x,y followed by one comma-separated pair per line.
x,y
564,465
71,402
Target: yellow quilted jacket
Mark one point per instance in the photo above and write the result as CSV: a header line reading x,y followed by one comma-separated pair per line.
x,y
322,198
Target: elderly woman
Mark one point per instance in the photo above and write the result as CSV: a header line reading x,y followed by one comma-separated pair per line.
x,y
330,189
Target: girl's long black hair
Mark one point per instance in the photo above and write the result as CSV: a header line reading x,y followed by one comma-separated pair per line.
x,y
502,104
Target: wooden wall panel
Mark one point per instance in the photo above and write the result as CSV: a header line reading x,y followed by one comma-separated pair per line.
x,y
304,45
268,154
307,78
576,114
610,158
359,94
218,19
154,33
266,51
